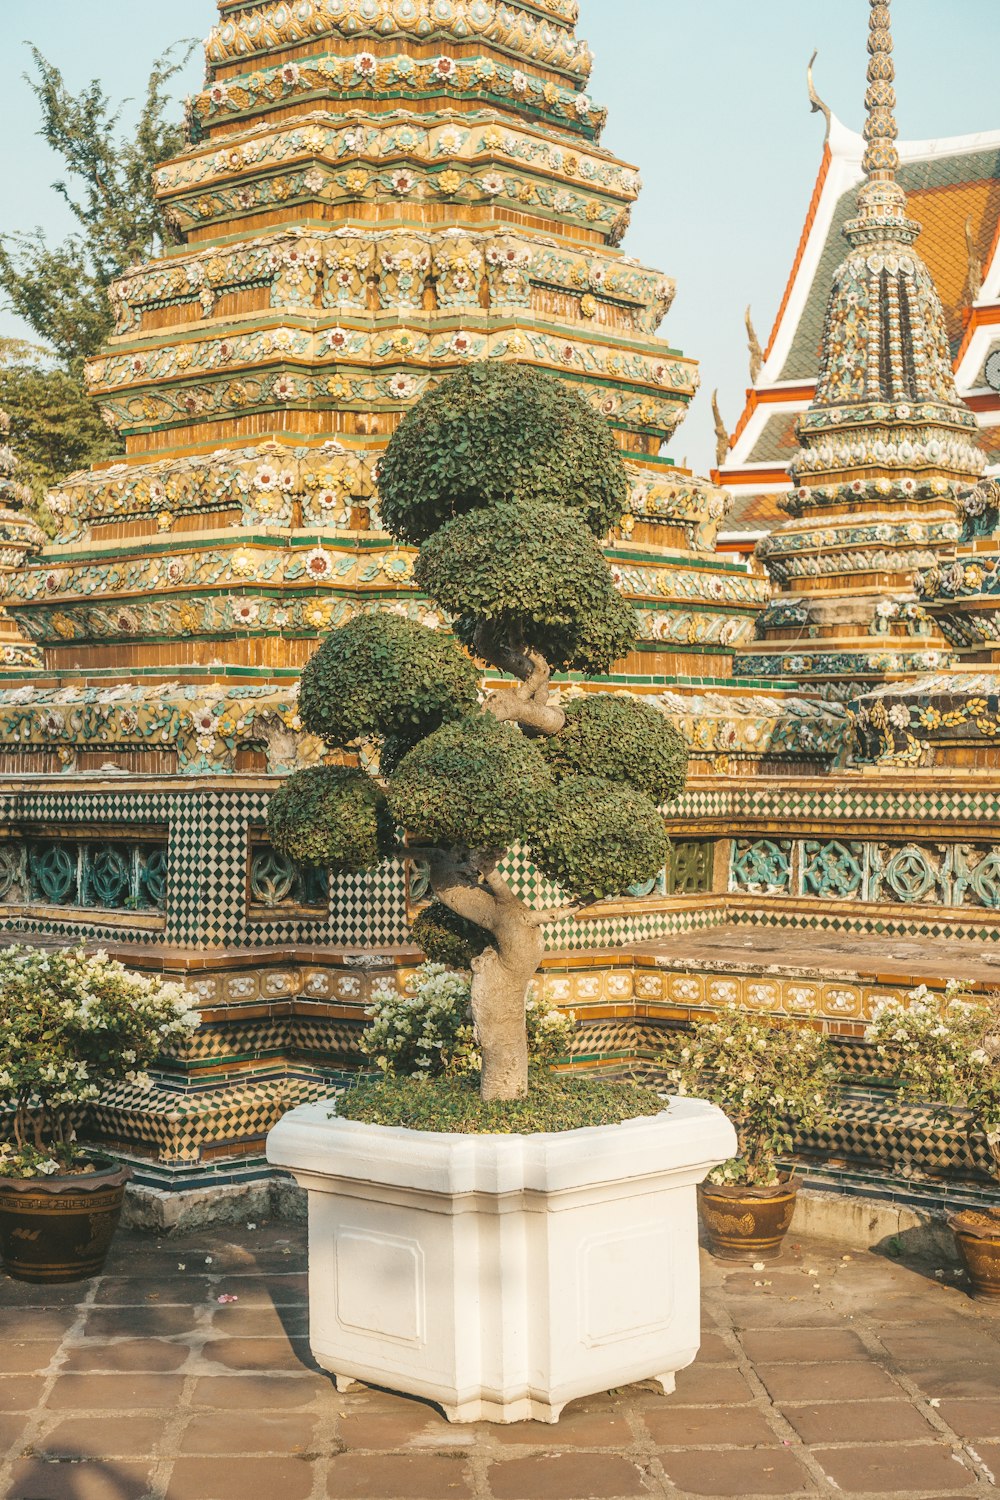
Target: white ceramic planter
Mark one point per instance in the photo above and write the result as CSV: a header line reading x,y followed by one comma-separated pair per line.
x,y
502,1276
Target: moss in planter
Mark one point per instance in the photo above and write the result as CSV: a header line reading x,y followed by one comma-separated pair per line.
x,y
453,1105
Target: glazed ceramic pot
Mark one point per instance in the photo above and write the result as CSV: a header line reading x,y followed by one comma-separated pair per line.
x,y
746,1223
977,1233
55,1229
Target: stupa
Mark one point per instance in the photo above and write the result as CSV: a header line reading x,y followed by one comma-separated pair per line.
x,y
375,193
887,449
20,536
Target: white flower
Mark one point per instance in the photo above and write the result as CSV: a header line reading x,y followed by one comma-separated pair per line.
x,y
318,564
492,184
365,64
582,105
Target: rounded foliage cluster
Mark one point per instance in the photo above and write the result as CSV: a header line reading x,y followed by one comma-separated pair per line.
x,y
622,739
332,817
497,432
383,675
532,574
475,783
596,838
447,938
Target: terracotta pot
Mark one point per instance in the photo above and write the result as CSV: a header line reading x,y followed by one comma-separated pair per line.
x,y
60,1228
978,1235
746,1223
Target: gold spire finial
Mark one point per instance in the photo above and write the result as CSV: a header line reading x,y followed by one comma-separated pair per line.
x,y
881,131
881,201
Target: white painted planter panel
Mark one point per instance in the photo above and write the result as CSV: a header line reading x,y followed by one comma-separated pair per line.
x,y
502,1276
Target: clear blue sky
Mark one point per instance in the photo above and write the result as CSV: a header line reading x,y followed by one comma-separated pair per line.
x,y
707,97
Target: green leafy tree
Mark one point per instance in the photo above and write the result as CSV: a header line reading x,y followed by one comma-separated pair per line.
x,y
55,427
508,529
61,290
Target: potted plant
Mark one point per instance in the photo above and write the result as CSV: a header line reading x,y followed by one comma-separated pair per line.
x,y
70,1025
771,1077
947,1052
497,1249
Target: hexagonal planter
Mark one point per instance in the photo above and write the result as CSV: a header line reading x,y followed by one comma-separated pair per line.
x,y
502,1276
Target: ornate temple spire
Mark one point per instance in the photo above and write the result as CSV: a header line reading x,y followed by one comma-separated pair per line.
x,y
881,131
881,201
886,449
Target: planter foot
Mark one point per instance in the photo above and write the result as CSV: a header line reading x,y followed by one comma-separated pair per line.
x,y
345,1383
667,1383
525,1410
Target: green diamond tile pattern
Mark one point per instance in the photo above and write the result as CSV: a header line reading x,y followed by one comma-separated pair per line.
x,y
207,901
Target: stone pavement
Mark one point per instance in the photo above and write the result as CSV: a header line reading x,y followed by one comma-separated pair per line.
x,y
184,1374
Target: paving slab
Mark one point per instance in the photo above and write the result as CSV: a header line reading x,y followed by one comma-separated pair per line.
x,y
823,1374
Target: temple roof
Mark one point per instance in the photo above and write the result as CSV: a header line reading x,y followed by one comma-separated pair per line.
x,y
950,183
945,191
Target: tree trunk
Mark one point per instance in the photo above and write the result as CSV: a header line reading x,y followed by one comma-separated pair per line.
x,y
500,980
473,887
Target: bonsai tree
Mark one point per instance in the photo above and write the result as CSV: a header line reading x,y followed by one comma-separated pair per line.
x,y
506,482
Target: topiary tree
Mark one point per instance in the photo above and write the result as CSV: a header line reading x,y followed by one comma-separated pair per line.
x,y
506,481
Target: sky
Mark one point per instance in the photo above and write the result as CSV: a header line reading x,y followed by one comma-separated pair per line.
x,y
707,97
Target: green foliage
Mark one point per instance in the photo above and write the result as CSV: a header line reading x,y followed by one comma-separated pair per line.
x,y
382,675
475,783
447,938
425,1030
453,1105
947,1052
493,433
620,739
55,427
61,291
597,838
534,576
331,817
772,1077
70,1025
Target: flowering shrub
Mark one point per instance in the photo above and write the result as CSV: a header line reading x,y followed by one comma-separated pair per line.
x,y
769,1076
71,1023
429,1031
947,1051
